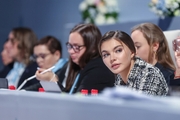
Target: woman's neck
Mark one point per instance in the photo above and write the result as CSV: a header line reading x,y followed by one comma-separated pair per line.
x,y
154,62
124,75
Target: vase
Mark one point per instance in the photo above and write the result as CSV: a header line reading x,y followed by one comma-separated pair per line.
x,y
164,23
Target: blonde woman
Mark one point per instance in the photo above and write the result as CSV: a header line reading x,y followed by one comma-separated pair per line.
x,y
152,46
21,41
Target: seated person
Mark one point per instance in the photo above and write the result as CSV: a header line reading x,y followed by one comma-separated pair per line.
x,y
152,46
20,44
48,53
86,68
7,61
118,53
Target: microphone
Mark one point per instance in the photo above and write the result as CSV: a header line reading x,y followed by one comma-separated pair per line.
x,y
32,77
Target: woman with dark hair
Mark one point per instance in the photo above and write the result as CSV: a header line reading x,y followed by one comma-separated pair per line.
x,y
20,44
152,46
86,68
118,53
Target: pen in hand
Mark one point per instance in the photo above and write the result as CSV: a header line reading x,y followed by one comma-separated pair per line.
x,y
32,77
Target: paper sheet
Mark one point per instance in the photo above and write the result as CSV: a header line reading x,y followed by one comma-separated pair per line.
x,y
50,86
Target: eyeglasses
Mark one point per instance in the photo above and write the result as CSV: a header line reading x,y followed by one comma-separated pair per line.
x,y
76,48
42,55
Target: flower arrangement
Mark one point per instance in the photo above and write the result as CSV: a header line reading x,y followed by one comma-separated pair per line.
x,y
164,8
99,12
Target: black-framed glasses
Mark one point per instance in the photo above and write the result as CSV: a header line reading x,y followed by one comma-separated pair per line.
x,y
42,56
76,48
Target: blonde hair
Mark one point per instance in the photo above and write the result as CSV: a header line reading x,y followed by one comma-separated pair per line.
x,y
153,34
26,40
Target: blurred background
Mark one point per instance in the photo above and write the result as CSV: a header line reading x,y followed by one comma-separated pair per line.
x,y
57,17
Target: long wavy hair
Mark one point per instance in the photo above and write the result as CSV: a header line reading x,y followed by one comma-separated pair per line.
x,y
26,39
153,34
91,36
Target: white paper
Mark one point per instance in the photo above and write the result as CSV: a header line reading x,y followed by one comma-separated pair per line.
x,y
50,86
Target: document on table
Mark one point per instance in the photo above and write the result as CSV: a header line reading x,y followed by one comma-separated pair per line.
x,y
50,86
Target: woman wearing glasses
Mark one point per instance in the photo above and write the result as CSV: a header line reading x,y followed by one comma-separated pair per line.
x,y
48,53
86,68
118,53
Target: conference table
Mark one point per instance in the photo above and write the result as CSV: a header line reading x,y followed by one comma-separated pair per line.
x,y
26,105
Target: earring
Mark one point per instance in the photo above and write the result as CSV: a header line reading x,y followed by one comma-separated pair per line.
x,y
155,53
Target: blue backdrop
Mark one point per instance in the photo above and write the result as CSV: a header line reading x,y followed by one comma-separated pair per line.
x,y
57,17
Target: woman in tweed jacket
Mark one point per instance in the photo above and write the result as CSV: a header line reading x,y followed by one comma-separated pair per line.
x,y
118,53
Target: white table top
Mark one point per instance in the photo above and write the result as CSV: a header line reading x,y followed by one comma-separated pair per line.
x,y
23,105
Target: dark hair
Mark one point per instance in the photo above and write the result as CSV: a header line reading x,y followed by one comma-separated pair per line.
x,y
26,41
152,33
91,36
52,43
119,36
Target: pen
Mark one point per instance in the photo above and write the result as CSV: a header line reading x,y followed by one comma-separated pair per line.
x,y
32,77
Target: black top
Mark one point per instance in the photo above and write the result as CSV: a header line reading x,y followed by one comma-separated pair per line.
x,y
28,72
168,75
6,69
167,72
95,75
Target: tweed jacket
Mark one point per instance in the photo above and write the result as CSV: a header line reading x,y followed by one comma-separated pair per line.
x,y
145,78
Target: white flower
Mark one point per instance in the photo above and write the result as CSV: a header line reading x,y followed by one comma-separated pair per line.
x,y
102,9
90,2
111,2
99,11
177,13
165,8
110,20
87,20
175,5
160,12
100,19
83,6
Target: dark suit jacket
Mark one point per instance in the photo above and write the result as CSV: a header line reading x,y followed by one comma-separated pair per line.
x,y
6,69
168,73
28,72
95,75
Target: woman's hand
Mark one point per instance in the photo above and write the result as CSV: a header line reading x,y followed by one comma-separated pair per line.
x,y
47,76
